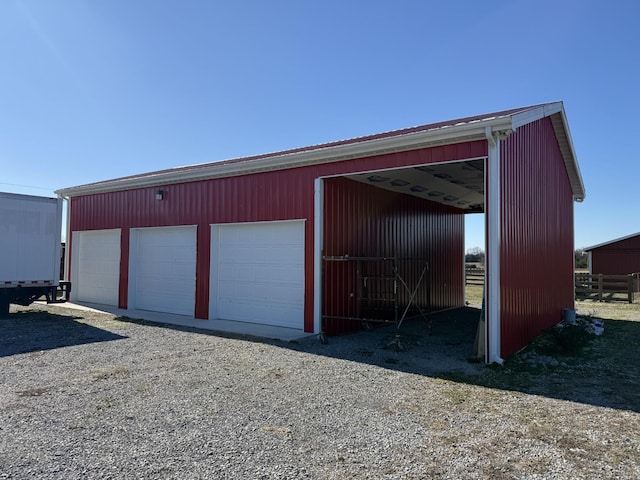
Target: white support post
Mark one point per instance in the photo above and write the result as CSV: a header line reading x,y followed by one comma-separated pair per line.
x,y
67,241
318,222
492,219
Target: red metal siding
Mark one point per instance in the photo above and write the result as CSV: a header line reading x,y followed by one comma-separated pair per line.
x,y
536,261
203,254
278,195
248,198
619,258
361,220
123,287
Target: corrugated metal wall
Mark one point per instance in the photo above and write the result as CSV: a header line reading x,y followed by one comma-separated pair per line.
x,y
619,258
536,261
364,221
249,198
278,195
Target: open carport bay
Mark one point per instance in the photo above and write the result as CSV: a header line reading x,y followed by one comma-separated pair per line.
x,y
141,400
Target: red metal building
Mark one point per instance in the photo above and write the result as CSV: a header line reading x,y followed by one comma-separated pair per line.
x,y
245,239
615,257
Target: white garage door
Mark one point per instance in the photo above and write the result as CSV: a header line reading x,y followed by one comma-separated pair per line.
x,y
162,270
257,273
96,266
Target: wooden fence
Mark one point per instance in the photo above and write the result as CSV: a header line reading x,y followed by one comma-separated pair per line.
x,y
604,287
473,276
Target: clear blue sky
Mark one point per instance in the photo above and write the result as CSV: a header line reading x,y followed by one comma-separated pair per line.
x,y
93,90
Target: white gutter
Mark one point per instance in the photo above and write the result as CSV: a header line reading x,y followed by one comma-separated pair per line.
x,y
410,141
492,291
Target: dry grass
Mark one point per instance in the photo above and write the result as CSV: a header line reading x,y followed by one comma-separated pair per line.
x,y
604,375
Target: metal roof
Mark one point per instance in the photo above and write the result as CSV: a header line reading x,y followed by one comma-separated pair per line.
x,y
441,133
626,237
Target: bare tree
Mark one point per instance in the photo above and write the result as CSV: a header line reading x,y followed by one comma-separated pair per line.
x,y
474,255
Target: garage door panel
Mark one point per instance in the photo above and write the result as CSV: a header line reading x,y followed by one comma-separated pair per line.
x,y
166,236
166,270
97,266
88,266
161,284
164,266
166,302
277,314
287,256
167,253
270,292
258,274
261,254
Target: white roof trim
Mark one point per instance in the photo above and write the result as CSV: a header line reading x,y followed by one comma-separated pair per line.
x,y
438,136
443,135
626,237
531,115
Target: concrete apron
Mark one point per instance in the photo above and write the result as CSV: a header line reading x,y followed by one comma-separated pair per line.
x,y
227,326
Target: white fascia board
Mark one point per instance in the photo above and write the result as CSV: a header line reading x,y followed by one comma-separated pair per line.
x,y
580,195
533,114
528,116
551,108
410,141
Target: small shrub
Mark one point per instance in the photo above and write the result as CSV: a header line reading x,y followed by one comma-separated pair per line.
x,y
565,339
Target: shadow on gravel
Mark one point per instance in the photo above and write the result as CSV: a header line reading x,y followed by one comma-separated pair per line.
x,y
31,331
605,373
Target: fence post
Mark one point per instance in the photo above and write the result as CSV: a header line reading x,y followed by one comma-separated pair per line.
x,y
630,287
600,287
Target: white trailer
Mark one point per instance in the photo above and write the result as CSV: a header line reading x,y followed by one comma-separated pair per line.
x,y
30,248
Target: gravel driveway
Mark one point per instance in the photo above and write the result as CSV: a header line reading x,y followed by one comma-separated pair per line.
x,y
87,395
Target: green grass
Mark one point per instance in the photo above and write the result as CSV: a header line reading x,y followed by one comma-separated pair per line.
x,y
594,369
473,295
604,369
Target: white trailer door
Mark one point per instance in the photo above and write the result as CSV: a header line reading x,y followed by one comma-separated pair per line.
x,y
257,273
162,270
95,264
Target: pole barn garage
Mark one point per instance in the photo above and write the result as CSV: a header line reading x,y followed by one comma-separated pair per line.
x,y
250,239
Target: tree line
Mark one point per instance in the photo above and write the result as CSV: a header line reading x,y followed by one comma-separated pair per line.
x,y
476,255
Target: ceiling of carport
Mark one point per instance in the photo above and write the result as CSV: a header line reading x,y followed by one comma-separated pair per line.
x,y
458,184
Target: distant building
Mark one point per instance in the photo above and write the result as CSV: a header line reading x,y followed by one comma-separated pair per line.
x,y
616,257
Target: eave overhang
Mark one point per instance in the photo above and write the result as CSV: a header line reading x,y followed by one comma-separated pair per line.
x,y
429,137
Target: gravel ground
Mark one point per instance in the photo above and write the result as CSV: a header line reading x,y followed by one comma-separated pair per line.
x,y
87,395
